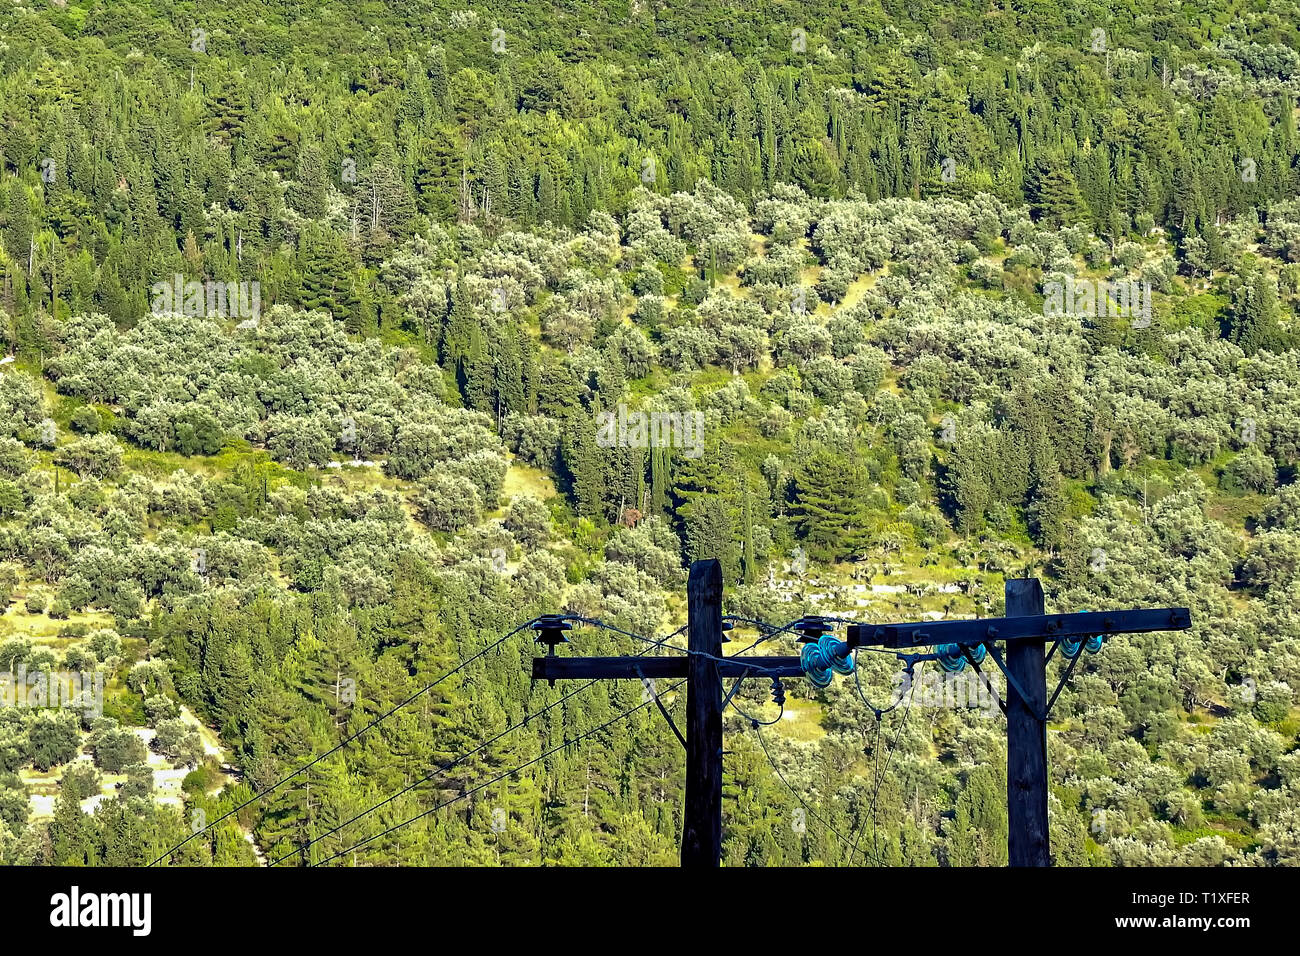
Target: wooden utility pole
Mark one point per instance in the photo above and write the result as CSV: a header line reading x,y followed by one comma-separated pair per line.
x,y
1024,631
1027,841
702,836
704,673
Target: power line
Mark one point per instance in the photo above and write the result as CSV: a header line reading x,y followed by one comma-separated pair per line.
x,y
780,776
440,769
445,767
498,777
762,625
654,642
772,631
778,695
1025,629
661,642
875,829
346,740
875,773
857,684
756,724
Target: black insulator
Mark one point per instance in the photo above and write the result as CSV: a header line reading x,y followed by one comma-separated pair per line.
x,y
778,691
811,627
550,630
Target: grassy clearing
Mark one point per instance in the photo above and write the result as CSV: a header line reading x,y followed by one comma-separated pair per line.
x,y
522,479
801,721
858,288
43,630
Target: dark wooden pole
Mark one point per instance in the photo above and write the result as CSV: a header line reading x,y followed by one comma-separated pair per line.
x,y
1027,840
702,835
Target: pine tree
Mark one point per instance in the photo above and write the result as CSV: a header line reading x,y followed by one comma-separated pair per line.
x,y
1253,320
827,509
306,193
1054,194
1047,509
749,560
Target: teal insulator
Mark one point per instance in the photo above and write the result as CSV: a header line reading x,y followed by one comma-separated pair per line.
x,y
815,665
836,653
950,657
1090,644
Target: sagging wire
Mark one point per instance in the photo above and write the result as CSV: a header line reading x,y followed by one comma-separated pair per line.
x,y
909,661
346,740
793,792
655,642
778,697
912,668
758,669
568,742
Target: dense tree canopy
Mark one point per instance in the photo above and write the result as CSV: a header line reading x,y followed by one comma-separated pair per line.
x,y
809,288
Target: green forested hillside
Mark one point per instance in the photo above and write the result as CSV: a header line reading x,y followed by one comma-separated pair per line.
x,y
463,236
